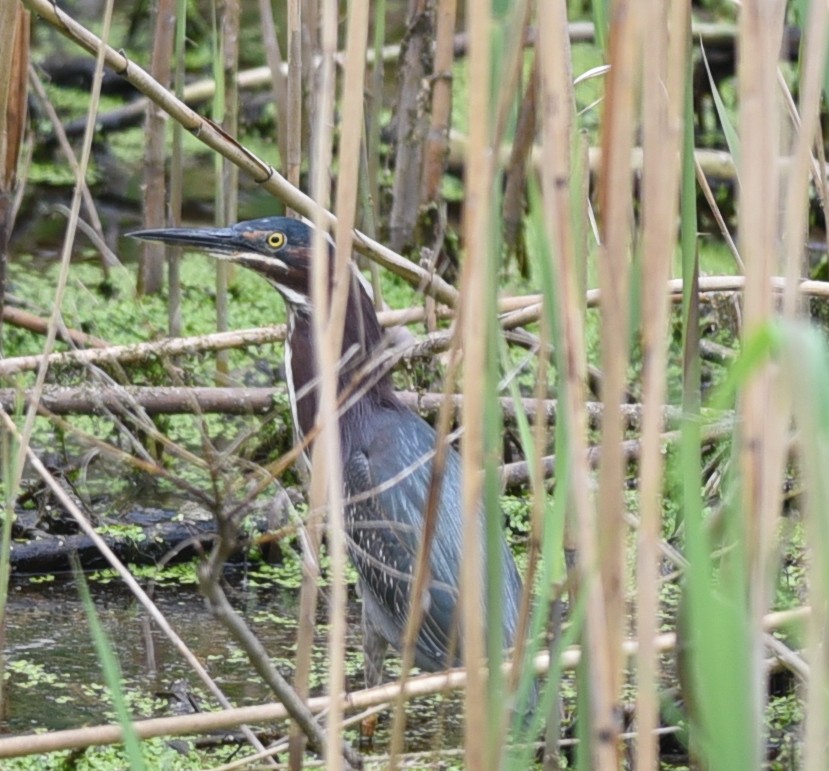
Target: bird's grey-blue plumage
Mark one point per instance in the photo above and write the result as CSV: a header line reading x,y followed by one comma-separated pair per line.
x,y
386,453
388,472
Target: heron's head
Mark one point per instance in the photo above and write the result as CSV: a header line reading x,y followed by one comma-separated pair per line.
x,y
278,248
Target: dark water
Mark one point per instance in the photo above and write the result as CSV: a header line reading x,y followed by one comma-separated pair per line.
x,y
54,680
53,674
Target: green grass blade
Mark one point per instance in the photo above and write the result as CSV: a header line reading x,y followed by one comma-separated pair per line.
x,y
732,139
112,673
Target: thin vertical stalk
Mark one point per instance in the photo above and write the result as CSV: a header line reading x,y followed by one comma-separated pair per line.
x,y
436,146
663,98
219,207
811,417
292,163
331,325
8,457
151,268
690,447
176,178
14,67
797,181
761,448
806,369
312,536
226,113
507,58
557,111
516,169
310,539
412,121
309,38
375,107
615,196
422,572
478,183
349,161
326,473
279,81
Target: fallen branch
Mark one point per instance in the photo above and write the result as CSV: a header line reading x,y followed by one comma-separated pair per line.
x,y
515,475
139,352
142,537
518,311
171,400
526,309
135,353
162,400
25,320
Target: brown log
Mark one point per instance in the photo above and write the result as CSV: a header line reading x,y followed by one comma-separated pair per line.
x,y
162,531
20,318
167,400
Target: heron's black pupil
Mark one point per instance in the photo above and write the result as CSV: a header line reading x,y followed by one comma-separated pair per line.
x,y
276,240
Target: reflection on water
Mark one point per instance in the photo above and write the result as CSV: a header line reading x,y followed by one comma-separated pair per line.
x,y
53,676
54,681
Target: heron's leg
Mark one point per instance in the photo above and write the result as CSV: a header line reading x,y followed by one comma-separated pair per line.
x,y
374,648
374,653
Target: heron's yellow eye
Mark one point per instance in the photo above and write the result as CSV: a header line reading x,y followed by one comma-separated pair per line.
x,y
276,240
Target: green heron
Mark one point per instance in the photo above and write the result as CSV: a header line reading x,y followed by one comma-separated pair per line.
x,y
386,451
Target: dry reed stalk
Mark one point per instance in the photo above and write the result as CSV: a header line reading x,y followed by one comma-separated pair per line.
x,y
529,310
292,163
326,491
138,352
435,149
472,321
151,265
702,181
226,192
615,209
330,329
302,47
412,121
664,71
436,145
373,120
557,112
14,66
279,79
796,197
761,446
310,38
813,63
176,179
517,166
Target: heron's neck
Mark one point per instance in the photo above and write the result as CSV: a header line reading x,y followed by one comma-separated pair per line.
x,y
359,383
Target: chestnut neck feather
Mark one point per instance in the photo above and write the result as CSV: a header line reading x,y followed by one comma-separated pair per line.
x,y
361,384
